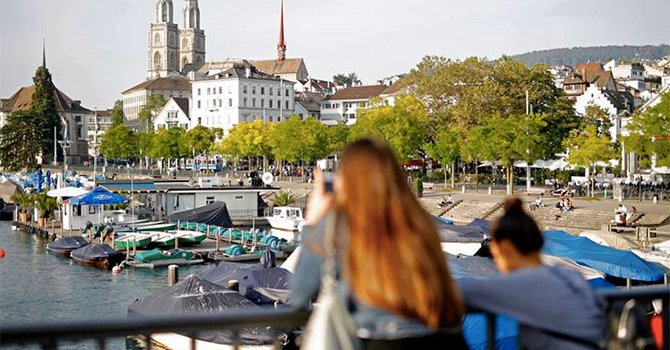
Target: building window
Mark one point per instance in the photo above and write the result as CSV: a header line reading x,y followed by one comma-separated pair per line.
x,y
287,105
198,103
278,119
244,89
270,90
209,200
230,102
262,103
199,120
270,103
220,104
262,90
253,90
244,102
220,90
270,119
278,103
253,102
208,91
286,92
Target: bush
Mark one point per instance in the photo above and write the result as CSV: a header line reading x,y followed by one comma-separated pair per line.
x,y
283,198
417,186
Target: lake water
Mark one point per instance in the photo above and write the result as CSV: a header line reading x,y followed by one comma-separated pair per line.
x,y
37,286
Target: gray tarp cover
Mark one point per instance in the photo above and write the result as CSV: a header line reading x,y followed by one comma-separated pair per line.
x,y
211,214
94,251
471,266
249,277
68,243
194,295
459,233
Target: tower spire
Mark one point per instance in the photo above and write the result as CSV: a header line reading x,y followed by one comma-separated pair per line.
x,y
44,53
281,46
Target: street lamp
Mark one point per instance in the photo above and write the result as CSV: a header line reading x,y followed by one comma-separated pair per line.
x,y
65,144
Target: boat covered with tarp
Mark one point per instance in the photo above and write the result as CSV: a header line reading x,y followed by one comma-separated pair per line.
x,y
250,278
460,239
613,262
65,245
196,296
99,255
212,214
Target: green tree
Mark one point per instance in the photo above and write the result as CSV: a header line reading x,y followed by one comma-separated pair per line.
x,y
117,113
338,136
18,141
145,145
168,144
446,149
649,133
154,104
347,80
199,140
402,126
43,107
587,146
118,142
507,139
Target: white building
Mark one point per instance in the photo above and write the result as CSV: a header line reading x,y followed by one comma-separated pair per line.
x,y
343,105
104,122
240,94
308,104
616,106
175,113
135,98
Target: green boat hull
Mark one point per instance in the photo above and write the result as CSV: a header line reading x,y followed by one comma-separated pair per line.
x,y
156,255
130,244
188,241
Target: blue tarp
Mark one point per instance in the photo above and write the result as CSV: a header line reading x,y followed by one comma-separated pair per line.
x,y
474,325
613,262
484,224
99,196
599,283
445,221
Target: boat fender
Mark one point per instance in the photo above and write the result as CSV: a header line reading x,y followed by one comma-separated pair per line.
x,y
116,269
2,253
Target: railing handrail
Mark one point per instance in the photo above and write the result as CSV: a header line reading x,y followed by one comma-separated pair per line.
x,y
41,332
120,327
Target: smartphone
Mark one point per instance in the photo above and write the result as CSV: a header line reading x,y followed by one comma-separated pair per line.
x,y
328,179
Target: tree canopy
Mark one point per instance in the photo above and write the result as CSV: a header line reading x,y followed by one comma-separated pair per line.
x,y
18,146
402,126
347,80
43,108
153,105
649,132
117,113
118,142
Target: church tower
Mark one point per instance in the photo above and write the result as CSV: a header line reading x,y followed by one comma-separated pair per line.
x,y
191,37
281,46
163,45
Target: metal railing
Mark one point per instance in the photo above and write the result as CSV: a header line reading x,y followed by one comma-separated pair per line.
x,y
51,335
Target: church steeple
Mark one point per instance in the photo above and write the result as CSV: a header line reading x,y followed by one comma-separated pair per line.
x,y
191,14
163,47
164,10
44,53
281,46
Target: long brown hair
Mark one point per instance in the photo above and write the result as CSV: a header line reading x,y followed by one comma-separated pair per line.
x,y
393,260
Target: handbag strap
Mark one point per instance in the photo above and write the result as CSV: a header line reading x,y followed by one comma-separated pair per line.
x,y
329,272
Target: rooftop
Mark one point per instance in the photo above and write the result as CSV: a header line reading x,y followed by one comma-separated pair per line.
x,y
173,82
358,92
23,99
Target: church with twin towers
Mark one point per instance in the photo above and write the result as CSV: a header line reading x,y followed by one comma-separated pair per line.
x,y
171,48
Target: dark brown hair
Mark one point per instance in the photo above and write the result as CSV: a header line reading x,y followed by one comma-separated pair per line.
x,y
518,227
393,260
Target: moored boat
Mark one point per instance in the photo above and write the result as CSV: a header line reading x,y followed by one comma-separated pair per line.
x,y
159,258
162,240
285,218
132,240
156,227
187,238
99,255
65,245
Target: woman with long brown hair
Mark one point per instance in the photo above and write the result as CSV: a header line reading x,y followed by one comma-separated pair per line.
x,y
391,268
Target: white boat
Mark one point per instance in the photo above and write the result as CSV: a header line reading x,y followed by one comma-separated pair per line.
x,y
285,218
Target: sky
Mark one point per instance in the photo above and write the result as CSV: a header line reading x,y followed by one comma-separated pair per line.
x,y
98,48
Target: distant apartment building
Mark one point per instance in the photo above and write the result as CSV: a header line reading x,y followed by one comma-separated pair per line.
x,y
617,106
343,106
308,104
319,86
135,98
98,122
560,73
240,93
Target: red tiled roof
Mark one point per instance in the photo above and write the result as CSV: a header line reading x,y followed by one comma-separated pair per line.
x,y
287,66
358,92
23,99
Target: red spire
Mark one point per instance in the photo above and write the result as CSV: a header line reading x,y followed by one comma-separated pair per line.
x,y
281,47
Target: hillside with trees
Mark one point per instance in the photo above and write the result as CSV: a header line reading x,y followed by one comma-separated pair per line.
x,y
574,55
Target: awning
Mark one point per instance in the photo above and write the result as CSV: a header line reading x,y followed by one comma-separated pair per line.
x,y
67,192
135,187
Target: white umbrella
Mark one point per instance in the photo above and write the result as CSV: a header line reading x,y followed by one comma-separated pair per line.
x,y
67,192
